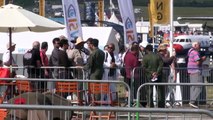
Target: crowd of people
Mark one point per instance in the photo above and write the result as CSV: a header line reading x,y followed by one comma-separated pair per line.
x,y
105,65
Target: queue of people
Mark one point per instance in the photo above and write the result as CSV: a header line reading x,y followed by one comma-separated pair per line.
x,y
104,64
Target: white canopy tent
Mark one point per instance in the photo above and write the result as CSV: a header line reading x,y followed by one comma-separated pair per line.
x,y
24,40
114,19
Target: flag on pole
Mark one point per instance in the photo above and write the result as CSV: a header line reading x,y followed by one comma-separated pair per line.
x,y
160,11
128,18
72,19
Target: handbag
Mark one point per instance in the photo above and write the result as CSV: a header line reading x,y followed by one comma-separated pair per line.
x,y
123,70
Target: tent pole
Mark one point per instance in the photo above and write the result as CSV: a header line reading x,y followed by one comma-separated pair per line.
x,y
10,43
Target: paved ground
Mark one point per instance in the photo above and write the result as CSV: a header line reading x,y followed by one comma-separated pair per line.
x,y
167,116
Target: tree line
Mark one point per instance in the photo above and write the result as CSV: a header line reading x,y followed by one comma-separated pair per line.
x,y
180,3
177,3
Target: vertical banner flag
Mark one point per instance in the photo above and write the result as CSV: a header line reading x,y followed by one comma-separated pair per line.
x,y
160,10
72,19
128,18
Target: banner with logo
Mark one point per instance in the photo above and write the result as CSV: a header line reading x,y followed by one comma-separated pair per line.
x,y
72,19
128,18
160,11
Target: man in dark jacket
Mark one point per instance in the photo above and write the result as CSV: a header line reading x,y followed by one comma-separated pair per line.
x,y
54,58
64,73
153,66
34,71
54,61
95,60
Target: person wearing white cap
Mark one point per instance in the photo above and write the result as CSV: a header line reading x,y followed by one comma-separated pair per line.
x,y
143,45
6,56
6,60
142,50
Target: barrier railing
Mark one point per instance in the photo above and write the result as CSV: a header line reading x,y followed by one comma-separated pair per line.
x,y
139,78
165,84
65,80
112,109
182,72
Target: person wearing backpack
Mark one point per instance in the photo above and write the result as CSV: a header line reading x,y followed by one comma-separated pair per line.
x,y
34,70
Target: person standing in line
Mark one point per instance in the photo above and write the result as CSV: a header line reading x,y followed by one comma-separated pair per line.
x,y
153,66
169,73
142,53
77,57
131,62
6,62
35,71
95,64
54,58
45,63
64,73
194,69
110,72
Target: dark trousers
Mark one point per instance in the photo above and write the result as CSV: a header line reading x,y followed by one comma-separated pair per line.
x,y
160,96
38,85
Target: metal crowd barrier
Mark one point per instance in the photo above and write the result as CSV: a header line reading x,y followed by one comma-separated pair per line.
x,y
138,78
53,97
119,109
167,84
63,72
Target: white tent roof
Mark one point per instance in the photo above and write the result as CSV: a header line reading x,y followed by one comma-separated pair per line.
x,y
114,19
105,35
24,40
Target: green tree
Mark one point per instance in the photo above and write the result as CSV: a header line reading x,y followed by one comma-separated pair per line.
x,y
24,3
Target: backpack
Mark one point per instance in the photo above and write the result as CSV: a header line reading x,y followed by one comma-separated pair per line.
x,y
27,58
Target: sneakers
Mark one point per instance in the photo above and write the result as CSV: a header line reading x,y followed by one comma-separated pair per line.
x,y
193,105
